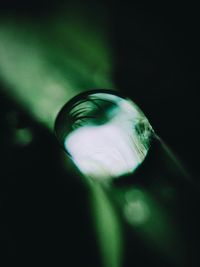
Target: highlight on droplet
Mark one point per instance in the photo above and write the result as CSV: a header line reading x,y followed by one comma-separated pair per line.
x,y
105,134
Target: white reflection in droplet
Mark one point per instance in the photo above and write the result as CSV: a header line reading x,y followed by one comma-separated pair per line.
x,y
113,148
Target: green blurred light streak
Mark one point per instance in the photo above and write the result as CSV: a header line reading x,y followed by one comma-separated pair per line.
x,y
44,64
108,228
42,69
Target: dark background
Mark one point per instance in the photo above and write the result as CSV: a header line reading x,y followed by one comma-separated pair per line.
x,y
43,215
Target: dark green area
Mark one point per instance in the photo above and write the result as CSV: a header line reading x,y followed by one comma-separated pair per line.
x,y
152,54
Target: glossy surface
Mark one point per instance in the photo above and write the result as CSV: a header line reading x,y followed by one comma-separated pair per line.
x,y
106,135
